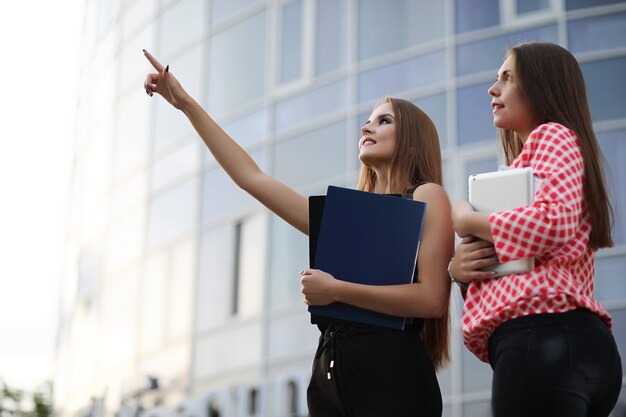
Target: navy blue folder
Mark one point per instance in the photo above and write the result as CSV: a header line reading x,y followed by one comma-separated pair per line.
x,y
364,238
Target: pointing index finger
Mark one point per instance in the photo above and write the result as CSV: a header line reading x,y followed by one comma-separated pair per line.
x,y
157,66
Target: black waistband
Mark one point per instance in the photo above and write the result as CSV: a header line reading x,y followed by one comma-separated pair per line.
x,y
577,316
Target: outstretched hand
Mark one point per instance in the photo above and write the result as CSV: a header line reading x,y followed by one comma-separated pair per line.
x,y
164,83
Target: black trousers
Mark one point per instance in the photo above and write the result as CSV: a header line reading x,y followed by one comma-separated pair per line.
x,y
363,371
554,365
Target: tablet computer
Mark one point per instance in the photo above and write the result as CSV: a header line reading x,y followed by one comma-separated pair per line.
x,y
503,190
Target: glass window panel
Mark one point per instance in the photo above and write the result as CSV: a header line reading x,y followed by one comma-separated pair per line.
x,y
291,42
153,300
609,282
478,166
526,6
125,194
214,291
221,197
613,145
171,124
237,65
175,165
406,75
479,409
476,374
181,24
435,107
406,23
331,46
312,157
223,9
251,266
133,64
580,4
173,213
606,88
476,14
289,253
135,16
130,147
619,332
305,107
249,129
475,121
597,33
125,239
181,289
488,54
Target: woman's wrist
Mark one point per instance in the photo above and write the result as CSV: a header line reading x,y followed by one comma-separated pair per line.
x,y
463,285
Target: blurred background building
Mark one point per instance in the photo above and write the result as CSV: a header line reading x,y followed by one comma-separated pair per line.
x,y
181,294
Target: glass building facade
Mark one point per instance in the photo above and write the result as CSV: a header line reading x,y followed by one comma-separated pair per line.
x,y
180,294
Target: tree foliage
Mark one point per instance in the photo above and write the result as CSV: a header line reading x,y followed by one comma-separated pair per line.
x,y
15,402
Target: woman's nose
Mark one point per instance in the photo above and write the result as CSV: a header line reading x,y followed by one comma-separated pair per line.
x,y
492,91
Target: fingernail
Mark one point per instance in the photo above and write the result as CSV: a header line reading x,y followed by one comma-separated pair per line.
x,y
167,69
144,50
302,272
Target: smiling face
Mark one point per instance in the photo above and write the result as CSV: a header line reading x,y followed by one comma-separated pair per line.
x,y
511,109
379,137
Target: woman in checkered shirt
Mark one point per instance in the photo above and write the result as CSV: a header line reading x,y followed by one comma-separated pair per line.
x,y
546,338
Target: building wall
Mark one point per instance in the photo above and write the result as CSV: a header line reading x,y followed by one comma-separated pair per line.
x,y
174,273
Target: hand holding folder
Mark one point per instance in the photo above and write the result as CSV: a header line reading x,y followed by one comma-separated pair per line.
x,y
364,238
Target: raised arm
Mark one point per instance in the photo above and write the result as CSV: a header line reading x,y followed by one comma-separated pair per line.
x,y
276,196
429,297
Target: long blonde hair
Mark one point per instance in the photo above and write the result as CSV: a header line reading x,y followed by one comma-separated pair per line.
x,y
416,160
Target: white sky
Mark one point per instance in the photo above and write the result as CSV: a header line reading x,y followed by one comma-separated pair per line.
x,y
39,41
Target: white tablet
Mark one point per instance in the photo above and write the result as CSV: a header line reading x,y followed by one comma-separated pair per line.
x,y
503,190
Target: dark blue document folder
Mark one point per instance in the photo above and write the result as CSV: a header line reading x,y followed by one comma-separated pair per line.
x,y
364,238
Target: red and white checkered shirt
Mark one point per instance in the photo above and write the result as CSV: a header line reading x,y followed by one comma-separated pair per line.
x,y
554,229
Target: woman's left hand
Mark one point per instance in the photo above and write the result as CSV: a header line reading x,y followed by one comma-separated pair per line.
x,y
460,212
318,287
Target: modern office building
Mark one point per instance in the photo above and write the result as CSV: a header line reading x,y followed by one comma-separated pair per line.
x,y
181,293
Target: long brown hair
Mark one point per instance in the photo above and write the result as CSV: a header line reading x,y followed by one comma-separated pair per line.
x,y
552,82
416,160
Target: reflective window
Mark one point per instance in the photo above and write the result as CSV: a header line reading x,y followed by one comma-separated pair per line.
x,y
214,288
435,108
250,266
613,145
181,289
133,64
181,24
384,29
475,122
291,42
406,75
597,33
526,6
135,16
312,104
249,129
606,88
171,124
223,9
130,148
237,75
580,4
609,282
312,157
125,238
173,213
331,46
221,197
289,252
476,374
619,332
488,54
476,14
89,267
175,165
477,409
153,302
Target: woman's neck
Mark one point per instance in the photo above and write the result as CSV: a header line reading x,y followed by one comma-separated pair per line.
x,y
381,182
